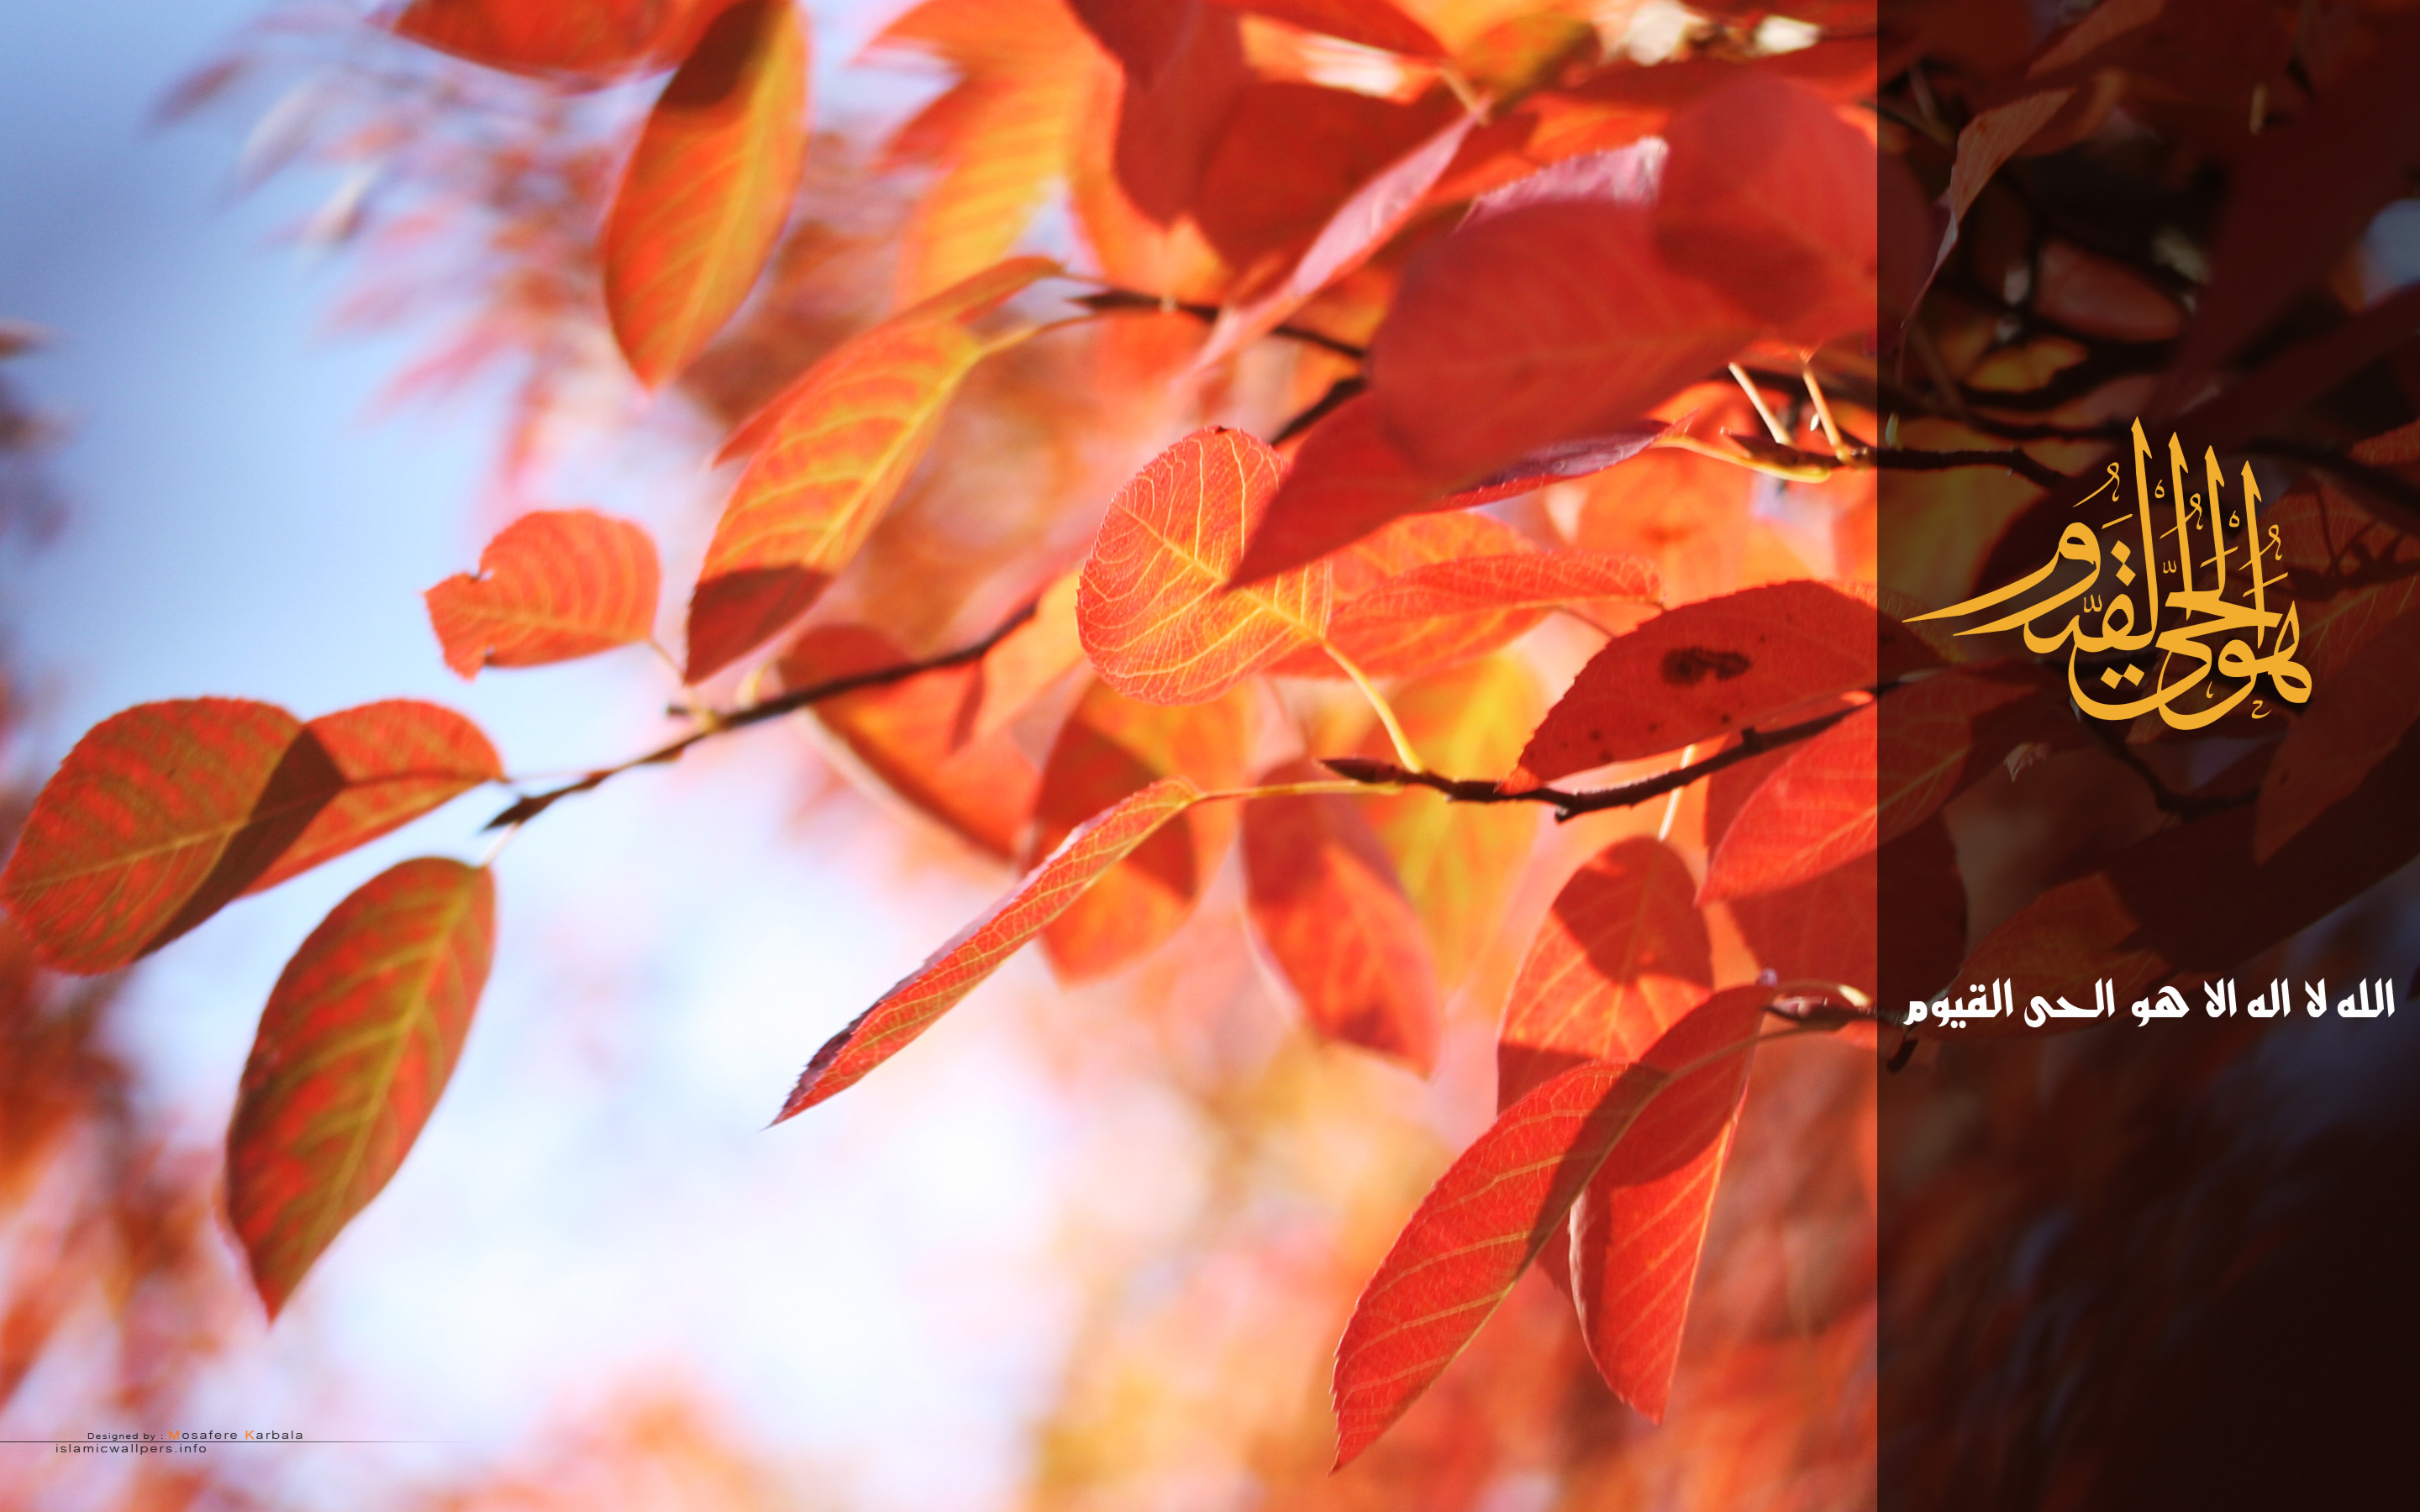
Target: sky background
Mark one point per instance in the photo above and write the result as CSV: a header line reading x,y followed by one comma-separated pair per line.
x,y
595,1201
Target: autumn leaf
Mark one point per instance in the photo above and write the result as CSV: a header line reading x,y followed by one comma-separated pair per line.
x,y
1508,1196
1771,198
1815,812
1109,748
551,586
1172,113
934,988
354,1049
1291,156
591,44
1458,861
917,736
2348,729
1028,659
1621,956
1447,611
842,445
1325,900
1375,560
166,813
1712,668
1943,734
1159,620
1349,479
1371,23
1546,323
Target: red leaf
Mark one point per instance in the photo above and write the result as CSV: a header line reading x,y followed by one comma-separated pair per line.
x,y
847,435
1712,667
1111,746
1325,900
1543,324
1371,23
1364,223
1985,144
1144,36
1378,559
1028,659
1290,157
1942,735
396,760
1458,861
1622,955
950,973
1157,618
166,813
1349,479
1772,197
1815,812
355,1047
1505,1199
591,43
916,735
706,191
2349,727
1171,118
1448,611
550,587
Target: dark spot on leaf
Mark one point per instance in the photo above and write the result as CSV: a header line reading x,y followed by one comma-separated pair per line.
x,y
1688,666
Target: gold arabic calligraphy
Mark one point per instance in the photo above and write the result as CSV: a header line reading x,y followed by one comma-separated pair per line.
x,y
2203,612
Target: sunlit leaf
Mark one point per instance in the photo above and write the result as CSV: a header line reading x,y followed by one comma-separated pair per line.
x,y
847,438
354,1049
1459,861
1371,23
1815,812
1289,158
708,186
1111,746
1028,659
954,970
1378,559
1507,1197
917,736
1448,611
1548,323
1158,617
551,586
1325,900
1712,668
1771,197
1171,115
1349,479
166,813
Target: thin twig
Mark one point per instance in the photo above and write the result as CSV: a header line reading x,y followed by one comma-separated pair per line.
x,y
2185,806
2017,460
1111,298
713,722
1333,400
1753,743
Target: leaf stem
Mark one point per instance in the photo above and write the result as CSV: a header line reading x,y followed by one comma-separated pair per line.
x,y
1773,426
1303,790
1404,751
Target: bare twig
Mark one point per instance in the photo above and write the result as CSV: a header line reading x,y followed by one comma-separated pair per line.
x,y
712,722
1109,300
2015,459
1752,743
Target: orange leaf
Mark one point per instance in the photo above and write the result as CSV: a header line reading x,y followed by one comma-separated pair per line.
x,y
592,43
1541,324
977,294
1349,479
166,813
354,1049
914,735
1771,197
1816,811
950,973
1324,899
1622,955
1448,611
1506,1199
1028,659
1356,229
1157,618
2351,726
708,187
1458,861
847,436
1712,667
550,587
1111,746
1378,559
1833,928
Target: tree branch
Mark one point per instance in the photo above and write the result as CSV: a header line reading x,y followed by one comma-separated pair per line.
x,y
714,722
1113,298
1753,743
2015,459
